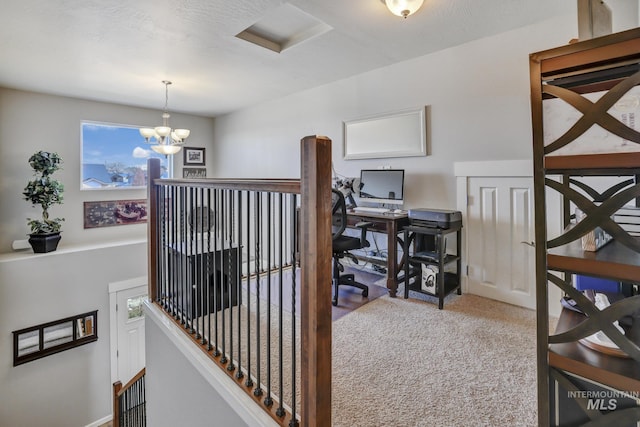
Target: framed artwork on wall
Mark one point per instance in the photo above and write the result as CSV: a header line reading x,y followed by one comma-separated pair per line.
x,y
193,156
194,172
114,212
49,338
398,134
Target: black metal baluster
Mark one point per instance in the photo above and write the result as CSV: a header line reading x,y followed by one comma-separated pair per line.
x,y
280,411
225,283
249,381
192,267
237,275
183,257
258,239
196,256
223,227
217,201
211,269
160,247
173,268
268,401
200,247
144,401
293,221
165,248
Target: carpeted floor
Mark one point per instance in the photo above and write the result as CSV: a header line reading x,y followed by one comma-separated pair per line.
x,y
400,362
403,362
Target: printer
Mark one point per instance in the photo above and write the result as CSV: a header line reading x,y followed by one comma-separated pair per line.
x,y
435,218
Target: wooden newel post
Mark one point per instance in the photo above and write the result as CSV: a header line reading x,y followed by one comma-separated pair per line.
x,y
117,386
153,173
315,292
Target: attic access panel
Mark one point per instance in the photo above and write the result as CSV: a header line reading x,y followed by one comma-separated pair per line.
x,y
282,28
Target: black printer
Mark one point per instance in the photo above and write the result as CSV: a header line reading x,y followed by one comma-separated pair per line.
x,y
435,218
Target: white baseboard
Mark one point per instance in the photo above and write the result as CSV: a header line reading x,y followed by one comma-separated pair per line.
x,y
100,421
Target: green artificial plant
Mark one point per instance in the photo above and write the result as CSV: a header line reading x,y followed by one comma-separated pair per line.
x,y
45,191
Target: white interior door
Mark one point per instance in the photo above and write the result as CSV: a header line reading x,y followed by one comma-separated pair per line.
x,y
500,232
129,314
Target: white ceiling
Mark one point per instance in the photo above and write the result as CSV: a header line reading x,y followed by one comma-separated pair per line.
x,y
120,50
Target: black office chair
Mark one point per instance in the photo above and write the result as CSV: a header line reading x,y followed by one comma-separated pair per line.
x,y
343,244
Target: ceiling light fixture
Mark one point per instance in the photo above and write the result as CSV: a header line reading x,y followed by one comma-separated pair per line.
x,y
403,8
167,141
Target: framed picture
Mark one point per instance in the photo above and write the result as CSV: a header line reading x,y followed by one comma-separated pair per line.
x,y
398,134
193,156
194,172
115,212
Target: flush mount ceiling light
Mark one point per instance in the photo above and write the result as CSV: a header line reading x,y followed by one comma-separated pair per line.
x,y
403,8
166,140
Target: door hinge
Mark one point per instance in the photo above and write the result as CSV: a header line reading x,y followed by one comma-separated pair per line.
x,y
116,307
467,269
117,353
469,200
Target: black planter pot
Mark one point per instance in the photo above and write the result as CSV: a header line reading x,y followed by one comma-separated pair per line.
x,y
42,243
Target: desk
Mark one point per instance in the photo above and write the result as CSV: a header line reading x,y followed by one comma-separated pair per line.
x,y
390,224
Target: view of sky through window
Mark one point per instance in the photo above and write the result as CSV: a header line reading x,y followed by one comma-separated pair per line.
x,y
115,156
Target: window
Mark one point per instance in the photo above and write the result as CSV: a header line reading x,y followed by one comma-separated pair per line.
x,y
135,307
115,157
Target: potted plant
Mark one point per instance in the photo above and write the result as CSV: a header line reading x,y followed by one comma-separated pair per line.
x,y
45,191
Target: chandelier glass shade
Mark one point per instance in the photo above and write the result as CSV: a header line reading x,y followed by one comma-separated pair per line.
x,y
164,139
403,8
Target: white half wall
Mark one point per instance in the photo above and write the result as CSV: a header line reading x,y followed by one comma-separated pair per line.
x,y
185,388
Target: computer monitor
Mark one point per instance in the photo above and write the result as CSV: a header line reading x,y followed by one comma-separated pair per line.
x,y
384,186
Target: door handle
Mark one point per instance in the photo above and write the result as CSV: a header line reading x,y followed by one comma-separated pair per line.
x,y
532,244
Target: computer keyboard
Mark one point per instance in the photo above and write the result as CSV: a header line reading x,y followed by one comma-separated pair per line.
x,y
368,209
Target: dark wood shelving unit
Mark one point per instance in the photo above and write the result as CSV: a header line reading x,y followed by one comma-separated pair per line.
x,y
594,164
566,366
614,261
616,372
436,255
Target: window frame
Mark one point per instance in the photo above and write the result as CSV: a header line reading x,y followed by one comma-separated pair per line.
x,y
165,161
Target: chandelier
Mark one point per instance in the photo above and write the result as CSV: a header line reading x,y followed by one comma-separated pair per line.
x,y
403,8
166,140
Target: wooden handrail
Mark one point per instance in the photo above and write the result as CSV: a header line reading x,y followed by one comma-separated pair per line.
x,y
119,390
291,186
128,385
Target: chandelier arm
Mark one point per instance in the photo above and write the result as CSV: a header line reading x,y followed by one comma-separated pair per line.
x,y
168,140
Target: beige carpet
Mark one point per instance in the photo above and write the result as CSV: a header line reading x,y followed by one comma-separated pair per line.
x,y
400,362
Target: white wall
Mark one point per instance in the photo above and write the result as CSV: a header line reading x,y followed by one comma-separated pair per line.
x,y
71,388
184,388
30,122
478,95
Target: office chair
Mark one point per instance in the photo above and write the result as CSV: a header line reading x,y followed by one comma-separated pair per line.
x,y
343,244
